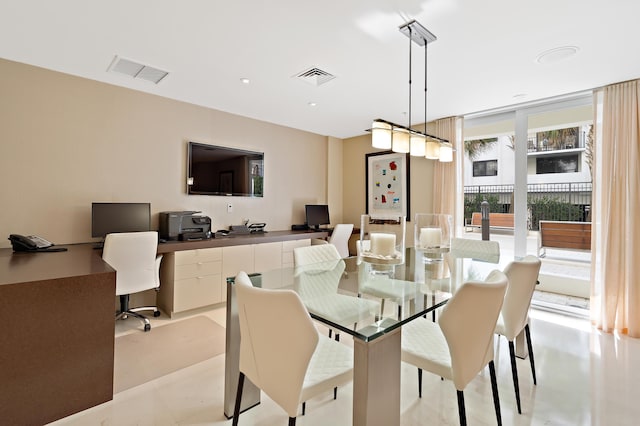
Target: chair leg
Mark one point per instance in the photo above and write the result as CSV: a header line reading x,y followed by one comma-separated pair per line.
x,y
236,410
461,412
419,382
494,389
530,347
304,408
514,373
292,421
330,333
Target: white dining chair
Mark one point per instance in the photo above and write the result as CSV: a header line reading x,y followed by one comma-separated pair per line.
x,y
460,345
318,271
514,316
281,351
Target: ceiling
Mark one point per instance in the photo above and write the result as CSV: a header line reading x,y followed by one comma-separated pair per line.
x,y
484,58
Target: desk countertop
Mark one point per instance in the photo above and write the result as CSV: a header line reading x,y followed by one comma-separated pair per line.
x,y
239,240
78,260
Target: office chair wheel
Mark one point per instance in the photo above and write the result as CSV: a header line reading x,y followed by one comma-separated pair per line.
x,y
156,313
147,327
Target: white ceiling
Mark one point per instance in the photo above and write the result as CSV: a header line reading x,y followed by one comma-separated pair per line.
x,y
484,56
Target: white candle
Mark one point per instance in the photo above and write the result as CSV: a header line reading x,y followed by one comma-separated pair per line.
x,y
430,237
383,244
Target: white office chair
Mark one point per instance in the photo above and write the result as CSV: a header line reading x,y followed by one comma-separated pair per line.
x,y
133,256
460,345
318,271
514,317
281,351
340,238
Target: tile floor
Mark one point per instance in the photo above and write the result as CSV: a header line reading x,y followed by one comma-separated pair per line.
x,y
585,377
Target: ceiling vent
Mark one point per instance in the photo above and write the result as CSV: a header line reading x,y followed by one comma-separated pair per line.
x,y
315,76
137,70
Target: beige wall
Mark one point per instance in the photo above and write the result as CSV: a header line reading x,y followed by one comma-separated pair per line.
x,y
67,141
354,188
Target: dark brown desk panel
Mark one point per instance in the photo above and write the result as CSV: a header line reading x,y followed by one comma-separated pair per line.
x,y
240,240
56,345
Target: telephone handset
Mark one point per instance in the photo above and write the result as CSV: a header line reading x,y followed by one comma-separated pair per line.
x,y
32,243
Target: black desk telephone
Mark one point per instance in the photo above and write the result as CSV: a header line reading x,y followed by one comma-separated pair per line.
x,y
32,243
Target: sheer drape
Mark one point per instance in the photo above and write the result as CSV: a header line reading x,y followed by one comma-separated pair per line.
x,y
616,234
446,184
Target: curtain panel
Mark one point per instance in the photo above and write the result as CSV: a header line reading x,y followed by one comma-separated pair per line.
x,y
615,292
446,193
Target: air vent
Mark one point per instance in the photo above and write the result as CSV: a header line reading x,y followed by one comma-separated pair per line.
x,y
315,76
137,70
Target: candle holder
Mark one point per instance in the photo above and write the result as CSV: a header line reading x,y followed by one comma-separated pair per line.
x,y
382,242
433,235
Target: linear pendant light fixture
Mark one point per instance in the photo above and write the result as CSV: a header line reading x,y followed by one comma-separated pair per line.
x,y
403,139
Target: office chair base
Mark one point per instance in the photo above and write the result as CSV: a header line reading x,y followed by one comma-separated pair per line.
x,y
126,314
156,312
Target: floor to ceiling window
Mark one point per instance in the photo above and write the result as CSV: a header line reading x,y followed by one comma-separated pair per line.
x,y
533,163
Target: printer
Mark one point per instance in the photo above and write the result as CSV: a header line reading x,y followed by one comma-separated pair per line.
x,y
184,226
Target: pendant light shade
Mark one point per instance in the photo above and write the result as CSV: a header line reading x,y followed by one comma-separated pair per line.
x,y
381,135
432,151
400,141
446,153
417,143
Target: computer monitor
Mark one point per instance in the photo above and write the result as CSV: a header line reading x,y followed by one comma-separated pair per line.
x,y
317,214
107,218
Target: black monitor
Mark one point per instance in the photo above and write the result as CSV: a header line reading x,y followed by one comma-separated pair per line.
x,y
317,214
107,218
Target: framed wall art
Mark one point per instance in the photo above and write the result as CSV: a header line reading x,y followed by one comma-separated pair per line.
x,y
387,184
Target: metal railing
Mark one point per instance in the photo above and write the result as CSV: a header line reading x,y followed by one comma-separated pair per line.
x,y
545,201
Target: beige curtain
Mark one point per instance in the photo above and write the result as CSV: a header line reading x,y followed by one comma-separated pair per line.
x,y
445,178
616,237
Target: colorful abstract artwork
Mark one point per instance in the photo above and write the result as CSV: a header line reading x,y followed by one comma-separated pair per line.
x,y
387,178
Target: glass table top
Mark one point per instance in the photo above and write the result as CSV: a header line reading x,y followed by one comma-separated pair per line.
x,y
367,300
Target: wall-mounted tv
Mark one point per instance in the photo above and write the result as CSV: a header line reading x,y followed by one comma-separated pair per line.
x,y
218,170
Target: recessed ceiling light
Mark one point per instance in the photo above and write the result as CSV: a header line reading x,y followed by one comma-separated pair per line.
x,y
312,104
245,80
557,54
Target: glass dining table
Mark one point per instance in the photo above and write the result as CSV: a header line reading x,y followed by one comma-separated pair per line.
x,y
370,303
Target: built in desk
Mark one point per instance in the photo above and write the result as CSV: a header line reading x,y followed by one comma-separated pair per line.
x,y
57,319
56,344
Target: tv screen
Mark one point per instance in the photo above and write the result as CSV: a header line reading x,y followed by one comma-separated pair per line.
x,y
217,170
317,214
107,218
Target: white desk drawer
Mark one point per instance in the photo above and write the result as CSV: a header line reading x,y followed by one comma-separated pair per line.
x,y
197,292
199,255
195,270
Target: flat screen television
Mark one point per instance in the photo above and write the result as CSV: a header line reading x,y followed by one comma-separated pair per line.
x,y
317,214
218,170
107,218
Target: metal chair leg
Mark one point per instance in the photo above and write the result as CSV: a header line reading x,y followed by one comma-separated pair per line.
x,y
530,347
419,382
514,373
236,411
494,389
461,411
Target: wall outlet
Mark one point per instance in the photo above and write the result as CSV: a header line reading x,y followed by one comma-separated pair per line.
x,y
229,208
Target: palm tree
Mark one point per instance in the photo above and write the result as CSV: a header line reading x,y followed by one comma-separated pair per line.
x,y
475,147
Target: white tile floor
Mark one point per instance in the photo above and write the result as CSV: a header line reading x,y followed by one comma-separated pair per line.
x,y
585,377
